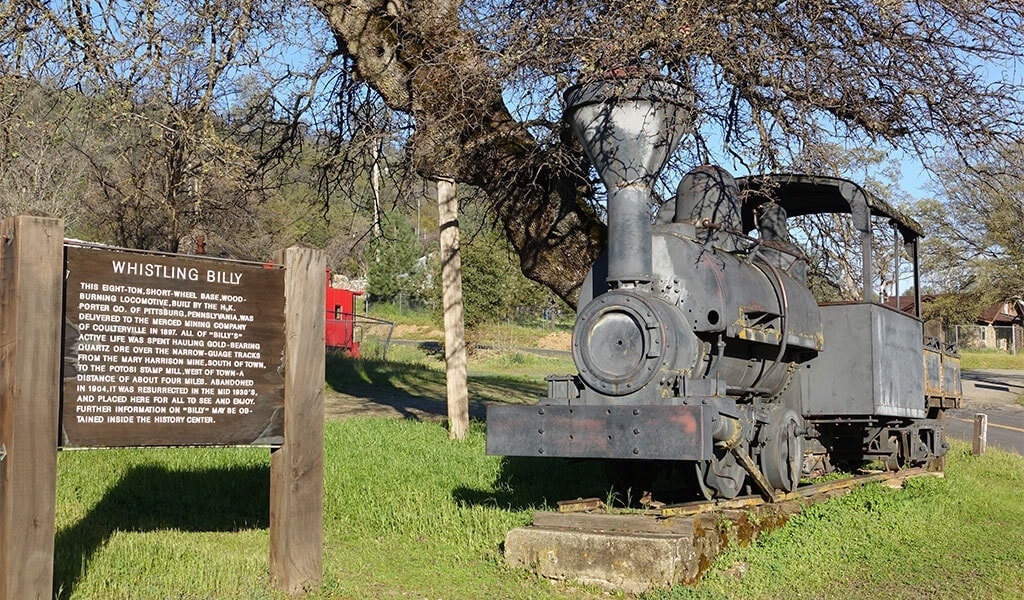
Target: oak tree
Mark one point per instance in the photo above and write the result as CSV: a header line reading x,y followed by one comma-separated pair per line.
x,y
481,81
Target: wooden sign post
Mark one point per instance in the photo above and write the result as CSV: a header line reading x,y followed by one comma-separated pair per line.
x,y
30,315
297,466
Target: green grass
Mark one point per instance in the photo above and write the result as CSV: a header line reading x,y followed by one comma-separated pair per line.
x,y
980,359
403,315
183,523
410,514
958,537
407,514
507,335
413,372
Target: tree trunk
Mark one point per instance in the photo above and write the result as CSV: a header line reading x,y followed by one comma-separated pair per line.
x,y
415,55
454,328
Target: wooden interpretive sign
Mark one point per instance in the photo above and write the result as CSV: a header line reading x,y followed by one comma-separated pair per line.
x,y
164,350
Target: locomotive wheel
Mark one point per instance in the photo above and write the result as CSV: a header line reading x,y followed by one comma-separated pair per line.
x,y
782,453
721,477
896,460
938,463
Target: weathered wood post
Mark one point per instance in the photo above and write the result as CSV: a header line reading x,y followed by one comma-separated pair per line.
x,y
297,467
980,433
31,273
454,323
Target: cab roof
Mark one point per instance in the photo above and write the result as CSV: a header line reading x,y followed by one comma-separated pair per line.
x,y
802,194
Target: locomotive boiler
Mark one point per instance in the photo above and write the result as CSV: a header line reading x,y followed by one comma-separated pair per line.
x,y
699,343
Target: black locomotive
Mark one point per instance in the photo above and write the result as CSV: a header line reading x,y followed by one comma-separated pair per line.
x,y
699,343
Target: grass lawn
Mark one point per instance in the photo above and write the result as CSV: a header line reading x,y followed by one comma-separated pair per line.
x,y
410,514
980,359
413,373
958,537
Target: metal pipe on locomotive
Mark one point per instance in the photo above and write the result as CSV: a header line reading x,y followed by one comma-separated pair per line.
x,y
698,344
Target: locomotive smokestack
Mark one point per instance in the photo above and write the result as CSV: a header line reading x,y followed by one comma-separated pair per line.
x,y
629,128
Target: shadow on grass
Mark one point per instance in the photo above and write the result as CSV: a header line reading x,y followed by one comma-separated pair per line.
x,y
416,391
527,482
153,498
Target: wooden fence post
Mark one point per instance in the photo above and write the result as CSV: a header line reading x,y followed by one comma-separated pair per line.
x,y
31,286
297,467
980,433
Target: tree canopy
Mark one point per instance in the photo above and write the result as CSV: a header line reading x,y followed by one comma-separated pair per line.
x,y
976,252
482,81
472,90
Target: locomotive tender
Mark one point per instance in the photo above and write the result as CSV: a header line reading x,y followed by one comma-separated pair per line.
x,y
701,345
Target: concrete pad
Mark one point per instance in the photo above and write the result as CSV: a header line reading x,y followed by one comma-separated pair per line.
x,y
636,553
630,562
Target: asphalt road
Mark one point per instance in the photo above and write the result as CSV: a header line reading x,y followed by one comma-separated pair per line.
x,y
993,393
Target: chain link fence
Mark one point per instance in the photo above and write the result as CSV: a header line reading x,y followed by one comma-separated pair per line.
x,y
373,335
361,336
1005,338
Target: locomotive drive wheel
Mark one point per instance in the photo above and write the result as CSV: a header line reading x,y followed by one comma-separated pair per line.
x,y
782,452
896,459
721,477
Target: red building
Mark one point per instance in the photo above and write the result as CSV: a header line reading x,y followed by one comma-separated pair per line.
x,y
340,319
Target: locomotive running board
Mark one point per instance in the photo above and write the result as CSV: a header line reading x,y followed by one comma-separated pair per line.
x,y
651,432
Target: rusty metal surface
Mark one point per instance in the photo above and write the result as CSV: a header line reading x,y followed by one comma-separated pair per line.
x,y
755,473
669,432
952,383
580,505
933,380
942,384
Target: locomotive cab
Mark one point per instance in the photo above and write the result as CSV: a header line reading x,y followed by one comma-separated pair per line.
x,y
884,397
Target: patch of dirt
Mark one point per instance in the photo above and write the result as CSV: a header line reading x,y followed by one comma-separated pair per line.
x,y
417,332
394,403
556,340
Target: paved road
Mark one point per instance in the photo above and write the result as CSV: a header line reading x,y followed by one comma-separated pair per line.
x,y
994,393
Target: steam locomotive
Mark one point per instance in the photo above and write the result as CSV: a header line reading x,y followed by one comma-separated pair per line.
x,y
697,340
